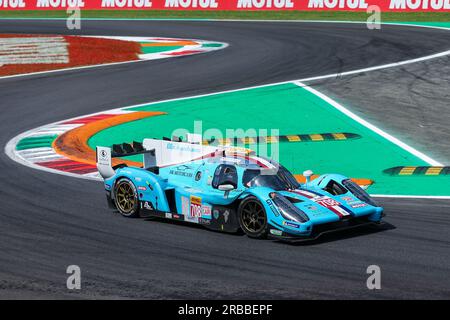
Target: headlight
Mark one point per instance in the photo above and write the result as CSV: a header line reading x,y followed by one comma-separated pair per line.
x,y
287,209
358,192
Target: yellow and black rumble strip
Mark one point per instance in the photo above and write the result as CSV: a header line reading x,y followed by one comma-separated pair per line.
x,y
287,138
417,170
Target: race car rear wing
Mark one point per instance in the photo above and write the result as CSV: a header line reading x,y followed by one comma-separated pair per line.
x,y
104,162
156,153
104,156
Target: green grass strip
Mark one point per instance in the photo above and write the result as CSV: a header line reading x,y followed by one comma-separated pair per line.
x,y
212,45
146,50
266,108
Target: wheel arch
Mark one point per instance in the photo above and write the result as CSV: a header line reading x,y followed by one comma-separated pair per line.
x,y
261,193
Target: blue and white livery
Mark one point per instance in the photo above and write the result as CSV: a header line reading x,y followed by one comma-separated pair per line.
x,y
230,189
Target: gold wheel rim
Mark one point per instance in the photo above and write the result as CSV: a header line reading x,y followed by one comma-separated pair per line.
x,y
253,217
125,198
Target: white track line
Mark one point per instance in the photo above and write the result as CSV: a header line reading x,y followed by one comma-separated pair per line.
x,y
385,66
370,126
68,69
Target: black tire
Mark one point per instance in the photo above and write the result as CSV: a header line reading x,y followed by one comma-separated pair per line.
x,y
253,218
126,198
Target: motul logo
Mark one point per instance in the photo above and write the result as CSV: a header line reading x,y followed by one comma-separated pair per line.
x,y
60,4
265,4
12,4
126,3
420,4
203,4
341,4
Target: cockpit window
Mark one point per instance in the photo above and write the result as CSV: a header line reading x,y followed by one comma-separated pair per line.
x,y
249,174
225,174
280,179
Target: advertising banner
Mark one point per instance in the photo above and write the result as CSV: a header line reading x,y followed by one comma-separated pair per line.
x,y
305,5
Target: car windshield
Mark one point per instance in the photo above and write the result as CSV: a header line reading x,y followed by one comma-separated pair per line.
x,y
281,179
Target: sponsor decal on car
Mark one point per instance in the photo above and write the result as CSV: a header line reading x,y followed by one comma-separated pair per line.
x,y
206,210
226,214
203,221
222,215
291,224
182,148
325,202
147,205
181,173
168,215
185,206
272,207
358,205
192,190
142,188
332,205
196,207
230,160
276,232
103,158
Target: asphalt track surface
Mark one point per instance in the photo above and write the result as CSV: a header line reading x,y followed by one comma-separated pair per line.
x,y
49,221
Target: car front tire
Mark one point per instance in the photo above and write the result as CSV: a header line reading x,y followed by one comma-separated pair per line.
x,y
253,218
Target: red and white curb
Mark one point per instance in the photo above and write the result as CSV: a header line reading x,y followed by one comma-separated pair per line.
x,y
30,50
31,55
46,158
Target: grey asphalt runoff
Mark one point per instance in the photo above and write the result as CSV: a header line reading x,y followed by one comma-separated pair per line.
x,y
410,102
48,221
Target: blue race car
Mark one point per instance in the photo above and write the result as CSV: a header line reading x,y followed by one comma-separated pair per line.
x,y
230,189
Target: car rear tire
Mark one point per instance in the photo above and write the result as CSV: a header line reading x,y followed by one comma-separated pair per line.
x,y
126,198
252,218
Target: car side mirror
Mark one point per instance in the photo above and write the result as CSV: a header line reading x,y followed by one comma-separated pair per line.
x,y
307,174
227,188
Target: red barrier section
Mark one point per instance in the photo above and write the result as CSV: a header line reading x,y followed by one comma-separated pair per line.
x,y
342,5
